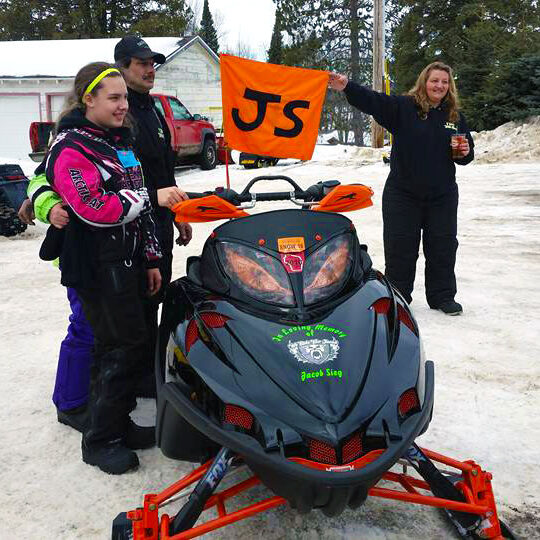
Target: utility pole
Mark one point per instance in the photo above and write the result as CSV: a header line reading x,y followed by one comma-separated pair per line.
x,y
355,70
377,132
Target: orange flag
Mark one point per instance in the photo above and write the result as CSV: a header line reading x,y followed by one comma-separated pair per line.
x,y
271,110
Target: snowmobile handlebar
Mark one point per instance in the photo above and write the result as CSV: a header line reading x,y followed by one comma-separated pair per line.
x,y
237,198
224,203
312,194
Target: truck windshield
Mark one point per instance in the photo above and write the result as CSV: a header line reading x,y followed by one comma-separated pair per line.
x,y
179,111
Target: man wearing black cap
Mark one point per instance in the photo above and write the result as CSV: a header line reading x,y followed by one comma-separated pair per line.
x,y
136,60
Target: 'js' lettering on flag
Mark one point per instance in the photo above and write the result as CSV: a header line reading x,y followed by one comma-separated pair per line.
x,y
269,109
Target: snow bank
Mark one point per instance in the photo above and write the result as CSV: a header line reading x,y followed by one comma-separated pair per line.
x,y
511,142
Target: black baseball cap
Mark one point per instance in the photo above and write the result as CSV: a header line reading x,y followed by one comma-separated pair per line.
x,y
136,47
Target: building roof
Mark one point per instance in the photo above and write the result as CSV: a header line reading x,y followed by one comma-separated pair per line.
x,y
62,58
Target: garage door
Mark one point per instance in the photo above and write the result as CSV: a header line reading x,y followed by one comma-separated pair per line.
x,y
16,114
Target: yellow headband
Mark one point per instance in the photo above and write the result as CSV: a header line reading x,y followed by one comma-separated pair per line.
x,y
97,80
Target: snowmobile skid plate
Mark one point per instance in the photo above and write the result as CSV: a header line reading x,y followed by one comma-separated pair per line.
x,y
465,494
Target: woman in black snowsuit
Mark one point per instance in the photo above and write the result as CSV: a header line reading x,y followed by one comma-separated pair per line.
x,y
421,193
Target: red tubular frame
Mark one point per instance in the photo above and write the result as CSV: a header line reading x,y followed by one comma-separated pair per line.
x,y
475,486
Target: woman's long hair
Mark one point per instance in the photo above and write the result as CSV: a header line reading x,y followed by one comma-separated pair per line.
x,y
419,93
83,78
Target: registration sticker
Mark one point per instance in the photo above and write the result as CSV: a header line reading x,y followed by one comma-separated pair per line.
x,y
294,244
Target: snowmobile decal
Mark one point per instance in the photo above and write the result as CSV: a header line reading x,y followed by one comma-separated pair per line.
x,y
293,262
309,331
319,374
314,351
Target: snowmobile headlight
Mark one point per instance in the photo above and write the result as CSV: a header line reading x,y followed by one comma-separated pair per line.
x,y
256,273
327,269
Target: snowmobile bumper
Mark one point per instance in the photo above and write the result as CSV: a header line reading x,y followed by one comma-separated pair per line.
x,y
269,466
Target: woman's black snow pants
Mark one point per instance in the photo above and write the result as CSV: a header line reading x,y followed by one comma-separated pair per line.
x,y
404,217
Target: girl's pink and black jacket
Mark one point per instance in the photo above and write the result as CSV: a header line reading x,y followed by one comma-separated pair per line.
x,y
98,177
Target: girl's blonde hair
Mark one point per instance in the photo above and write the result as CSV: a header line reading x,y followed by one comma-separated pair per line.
x,y
419,93
84,77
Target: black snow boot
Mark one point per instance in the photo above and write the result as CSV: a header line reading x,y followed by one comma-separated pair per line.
x,y
111,457
76,418
139,437
450,307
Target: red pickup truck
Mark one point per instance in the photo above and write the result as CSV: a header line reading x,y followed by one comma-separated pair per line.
x,y
193,138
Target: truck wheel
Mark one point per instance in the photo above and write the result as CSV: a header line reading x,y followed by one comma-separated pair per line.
x,y
208,158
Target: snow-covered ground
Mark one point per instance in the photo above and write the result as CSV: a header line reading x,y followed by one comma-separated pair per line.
x,y
487,369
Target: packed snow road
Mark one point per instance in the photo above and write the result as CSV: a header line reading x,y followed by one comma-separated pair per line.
x,y
486,361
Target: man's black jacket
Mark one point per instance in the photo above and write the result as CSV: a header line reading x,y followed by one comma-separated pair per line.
x,y
153,148
421,162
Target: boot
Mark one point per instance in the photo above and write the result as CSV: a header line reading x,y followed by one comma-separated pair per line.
x,y
450,307
111,457
76,418
139,437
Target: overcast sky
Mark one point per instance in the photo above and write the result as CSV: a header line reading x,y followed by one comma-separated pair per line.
x,y
249,21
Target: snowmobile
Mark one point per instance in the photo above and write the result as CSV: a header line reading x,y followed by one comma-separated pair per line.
x,y
284,351
13,185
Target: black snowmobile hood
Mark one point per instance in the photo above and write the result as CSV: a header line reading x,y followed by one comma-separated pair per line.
x,y
318,365
315,376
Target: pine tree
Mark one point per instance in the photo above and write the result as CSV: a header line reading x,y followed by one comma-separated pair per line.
x,y
478,38
337,36
208,32
275,52
70,19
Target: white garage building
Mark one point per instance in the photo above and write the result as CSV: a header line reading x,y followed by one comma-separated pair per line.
x,y
35,77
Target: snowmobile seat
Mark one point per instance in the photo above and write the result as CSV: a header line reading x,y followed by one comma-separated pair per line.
x,y
193,265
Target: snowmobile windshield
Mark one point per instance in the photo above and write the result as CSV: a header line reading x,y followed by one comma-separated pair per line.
x,y
327,269
256,273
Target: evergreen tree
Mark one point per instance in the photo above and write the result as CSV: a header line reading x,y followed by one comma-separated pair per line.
x,y
275,52
513,93
24,19
478,38
169,18
208,31
326,34
70,19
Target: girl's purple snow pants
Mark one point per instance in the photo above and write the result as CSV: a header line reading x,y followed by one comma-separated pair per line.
x,y
75,359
